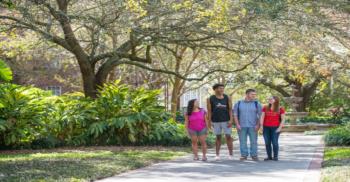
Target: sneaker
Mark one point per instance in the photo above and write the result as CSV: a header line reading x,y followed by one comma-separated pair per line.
x,y
230,157
217,158
243,158
275,158
255,158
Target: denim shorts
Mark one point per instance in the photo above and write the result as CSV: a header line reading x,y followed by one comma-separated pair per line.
x,y
221,127
198,133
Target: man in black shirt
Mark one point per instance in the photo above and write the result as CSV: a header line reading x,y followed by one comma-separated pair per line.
x,y
220,115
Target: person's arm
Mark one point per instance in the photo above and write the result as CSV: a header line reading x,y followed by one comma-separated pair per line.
x,y
230,111
279,129
262,118
207,121
259,112
186,125
260,108
209,112
235,116
186,121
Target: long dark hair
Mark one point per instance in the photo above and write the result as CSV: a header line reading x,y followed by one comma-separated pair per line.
x,y
190,107
276,105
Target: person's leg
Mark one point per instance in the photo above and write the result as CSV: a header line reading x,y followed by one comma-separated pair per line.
x,y
229,140
274,140
218,144
267,138
202,139
253,138
194,139
242,134
217,132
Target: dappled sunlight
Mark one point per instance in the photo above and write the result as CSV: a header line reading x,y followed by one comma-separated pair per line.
x,y
296,154
77,164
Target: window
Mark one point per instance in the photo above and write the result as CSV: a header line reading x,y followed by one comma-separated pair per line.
x,y
56,90
189,95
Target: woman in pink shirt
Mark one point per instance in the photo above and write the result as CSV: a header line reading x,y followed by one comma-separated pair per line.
x,y
196,123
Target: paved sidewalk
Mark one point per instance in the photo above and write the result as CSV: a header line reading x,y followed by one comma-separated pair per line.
x,y
300,158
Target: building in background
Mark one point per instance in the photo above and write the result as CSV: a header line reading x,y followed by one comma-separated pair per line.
x,y
58,74
201,93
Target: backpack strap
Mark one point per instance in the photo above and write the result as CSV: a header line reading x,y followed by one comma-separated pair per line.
x,y
239,103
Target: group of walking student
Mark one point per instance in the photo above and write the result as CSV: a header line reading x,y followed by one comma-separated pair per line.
x,y
248,115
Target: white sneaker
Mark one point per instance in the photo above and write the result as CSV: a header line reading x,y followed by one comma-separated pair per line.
x,y
217,158
230,157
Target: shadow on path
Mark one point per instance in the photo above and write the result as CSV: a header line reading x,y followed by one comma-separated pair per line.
x,y
296,153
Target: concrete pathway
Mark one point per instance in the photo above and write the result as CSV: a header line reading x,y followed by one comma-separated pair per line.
x,y
300,159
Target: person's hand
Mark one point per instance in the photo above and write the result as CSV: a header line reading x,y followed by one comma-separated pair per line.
x,y
210,127
238,127
186,131
261,129
279,129
257,127
229,124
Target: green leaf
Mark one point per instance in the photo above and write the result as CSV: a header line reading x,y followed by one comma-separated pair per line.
x,y
5,72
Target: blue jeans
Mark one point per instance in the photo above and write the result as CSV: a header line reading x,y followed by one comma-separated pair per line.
x,y
271,141
253,138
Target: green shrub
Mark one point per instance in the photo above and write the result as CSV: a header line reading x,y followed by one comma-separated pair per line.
x,y
21,113
339,136
46,142
167,133
124,115
119,116
69,117
5,72
30,117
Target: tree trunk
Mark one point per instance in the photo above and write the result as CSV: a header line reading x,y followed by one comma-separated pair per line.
x,y
302,106
112,76
307,91
89,79
175,97
86,68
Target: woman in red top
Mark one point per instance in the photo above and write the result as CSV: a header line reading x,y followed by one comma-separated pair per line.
x,y
272,120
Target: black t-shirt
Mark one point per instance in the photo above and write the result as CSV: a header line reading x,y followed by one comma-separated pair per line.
x,y
219,109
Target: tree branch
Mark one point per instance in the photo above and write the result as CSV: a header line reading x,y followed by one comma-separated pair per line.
x,y
138,64
278,88
53,38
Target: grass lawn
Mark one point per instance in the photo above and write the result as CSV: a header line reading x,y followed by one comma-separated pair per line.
x,y
336,165
82,164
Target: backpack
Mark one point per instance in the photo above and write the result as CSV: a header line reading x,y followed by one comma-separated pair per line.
x,y
239,103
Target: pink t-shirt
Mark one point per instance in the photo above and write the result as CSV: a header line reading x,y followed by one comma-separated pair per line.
x,y
197,120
